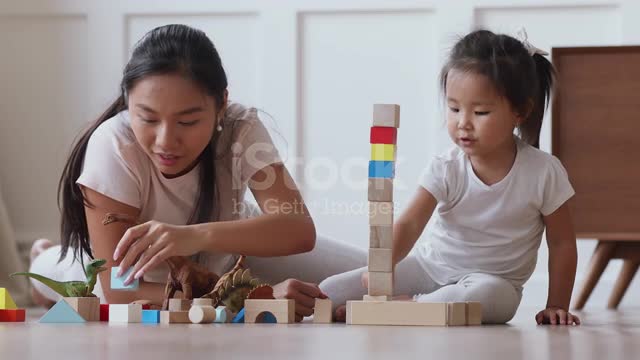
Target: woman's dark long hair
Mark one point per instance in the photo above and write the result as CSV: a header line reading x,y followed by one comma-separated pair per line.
x,y
167,49
524,80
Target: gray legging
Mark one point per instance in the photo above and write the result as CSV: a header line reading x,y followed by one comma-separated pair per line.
x,y
332,264
499,298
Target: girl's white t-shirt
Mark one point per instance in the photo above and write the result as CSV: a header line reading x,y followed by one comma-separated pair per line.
x,y
116,166
494,229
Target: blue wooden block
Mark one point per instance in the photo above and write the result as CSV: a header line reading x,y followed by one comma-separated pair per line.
x,y
150,316
239,319
62,312
381,169
117,283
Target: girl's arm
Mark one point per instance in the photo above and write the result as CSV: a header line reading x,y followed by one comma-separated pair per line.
x,y
103,242
563,257
408,228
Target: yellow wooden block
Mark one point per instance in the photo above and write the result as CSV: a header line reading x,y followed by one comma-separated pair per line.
x,y
396,313
381,260
6,302
383,152
380,213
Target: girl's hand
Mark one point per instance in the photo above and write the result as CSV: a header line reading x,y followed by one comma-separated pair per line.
x,y
556,316
152,243
303,293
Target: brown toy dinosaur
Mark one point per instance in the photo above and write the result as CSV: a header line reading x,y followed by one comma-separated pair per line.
x,y
192,279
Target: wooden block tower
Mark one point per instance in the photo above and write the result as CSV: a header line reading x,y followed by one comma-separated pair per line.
x,y
377,307
383,135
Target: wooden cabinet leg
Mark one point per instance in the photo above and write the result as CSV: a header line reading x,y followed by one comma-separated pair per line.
x,y
601,256
629,269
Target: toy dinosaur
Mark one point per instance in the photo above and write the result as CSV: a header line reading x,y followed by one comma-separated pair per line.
x,y
237,285
72,288
185,275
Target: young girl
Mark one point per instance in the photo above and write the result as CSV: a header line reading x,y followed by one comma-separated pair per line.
x,y
172,152
494,193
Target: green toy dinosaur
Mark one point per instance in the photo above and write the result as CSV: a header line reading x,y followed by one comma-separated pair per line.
x,y
72,288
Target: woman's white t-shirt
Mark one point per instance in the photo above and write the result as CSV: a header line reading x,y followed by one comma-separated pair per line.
x,y
116,166
494,229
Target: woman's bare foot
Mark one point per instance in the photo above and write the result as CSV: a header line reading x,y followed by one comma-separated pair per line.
x,y
37,248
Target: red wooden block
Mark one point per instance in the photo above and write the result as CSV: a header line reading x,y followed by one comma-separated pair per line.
x,y
383,135
104,312
12,315
146,307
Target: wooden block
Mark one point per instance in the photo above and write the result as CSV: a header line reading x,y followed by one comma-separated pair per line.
x,y
322,311
62,312
383,135
117,283
6,302
380,260
104,312
125,313
174,317
474,313
381,237
150,316
12,315
382,169
396,313
386,115
179,304
380,213
223,315
202,314
282,309
380,189
380,283
383,152
202,302
456,314
87,307
377,298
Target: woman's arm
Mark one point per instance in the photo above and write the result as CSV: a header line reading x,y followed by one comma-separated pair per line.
x,y
563,257
103,242
285,228
408,228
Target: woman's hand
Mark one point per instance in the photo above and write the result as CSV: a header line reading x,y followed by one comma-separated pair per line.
x,y
303,293
152,243
556,316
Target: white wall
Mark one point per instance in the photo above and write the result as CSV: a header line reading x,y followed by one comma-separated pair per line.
x,y
316,66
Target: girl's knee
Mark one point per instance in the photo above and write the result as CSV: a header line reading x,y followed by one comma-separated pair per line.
x,y
499,298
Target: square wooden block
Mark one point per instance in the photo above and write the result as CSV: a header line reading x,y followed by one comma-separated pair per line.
x,y
380,260
174,317
380,213
380,189
179,305
380,283
125,313
322,311
87,307
456,314
377,298
386,115
396,313
474,313
383,152
381,236
383,135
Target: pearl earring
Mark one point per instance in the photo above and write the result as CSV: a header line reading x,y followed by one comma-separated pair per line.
x,y
219,128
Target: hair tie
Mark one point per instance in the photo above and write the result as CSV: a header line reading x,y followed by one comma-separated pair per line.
x,y
522,36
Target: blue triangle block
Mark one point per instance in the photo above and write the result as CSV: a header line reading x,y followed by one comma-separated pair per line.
x,y
62,312
239,319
